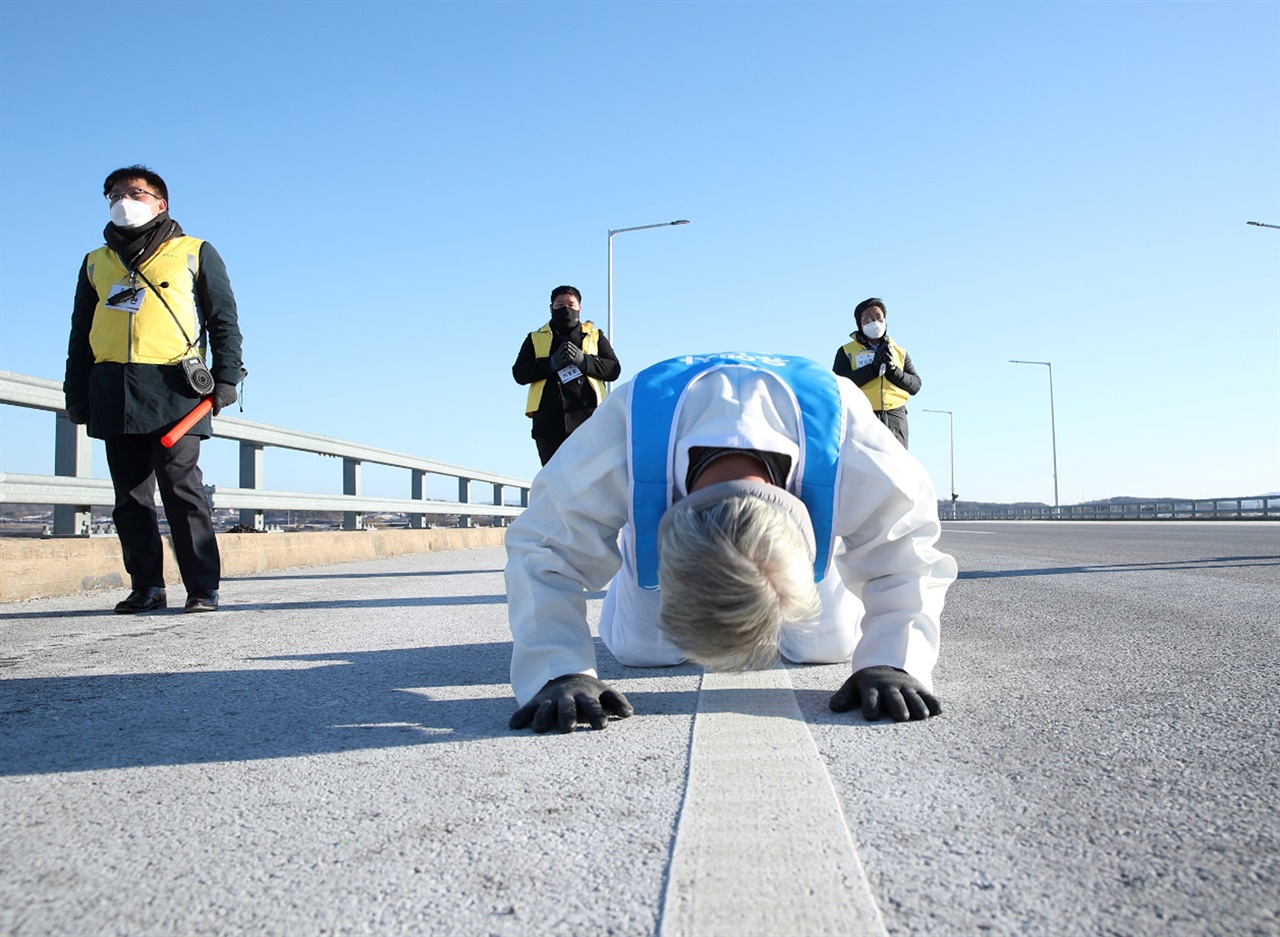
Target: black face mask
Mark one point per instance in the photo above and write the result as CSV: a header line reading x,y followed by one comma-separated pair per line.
x,y
563,317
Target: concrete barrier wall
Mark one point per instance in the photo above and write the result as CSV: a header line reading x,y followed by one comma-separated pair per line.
x,y
31,568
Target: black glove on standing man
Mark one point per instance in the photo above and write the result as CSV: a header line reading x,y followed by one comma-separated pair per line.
x,y
223,395
567,354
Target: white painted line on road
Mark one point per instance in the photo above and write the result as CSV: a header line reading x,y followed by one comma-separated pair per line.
x,y
762,846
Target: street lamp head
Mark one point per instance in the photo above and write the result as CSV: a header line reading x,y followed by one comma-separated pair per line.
x,y
645,227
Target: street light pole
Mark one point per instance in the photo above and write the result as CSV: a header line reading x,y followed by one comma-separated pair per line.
x,y
1053,430
1259,224
612,232
954,496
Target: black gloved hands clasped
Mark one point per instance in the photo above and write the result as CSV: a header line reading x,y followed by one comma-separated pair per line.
x,y
565,701
884,361
223,395
567,354
894,692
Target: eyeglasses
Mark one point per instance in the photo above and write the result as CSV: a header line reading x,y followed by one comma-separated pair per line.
x,y
135,194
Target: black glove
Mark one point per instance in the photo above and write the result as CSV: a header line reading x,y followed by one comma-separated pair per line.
x,y
899,694
568,700
223,395
884,355
567,354
78,413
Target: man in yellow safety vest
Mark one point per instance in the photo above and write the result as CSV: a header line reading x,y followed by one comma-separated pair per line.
x,y
879,366
151,305
565,365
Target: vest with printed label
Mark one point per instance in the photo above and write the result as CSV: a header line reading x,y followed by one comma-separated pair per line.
x,y
894,396
657,395
139,329
542,349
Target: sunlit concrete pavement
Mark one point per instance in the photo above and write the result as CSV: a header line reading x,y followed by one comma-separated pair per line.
x,y
329,754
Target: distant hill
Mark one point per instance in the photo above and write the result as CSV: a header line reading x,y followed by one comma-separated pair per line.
x,y
1128,499
964,505
944,505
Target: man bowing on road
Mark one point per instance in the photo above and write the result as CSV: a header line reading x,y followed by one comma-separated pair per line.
x,y
739,506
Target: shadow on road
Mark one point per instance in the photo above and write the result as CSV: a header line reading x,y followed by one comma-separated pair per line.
x,y
425,601
303,574
1216,562
312,704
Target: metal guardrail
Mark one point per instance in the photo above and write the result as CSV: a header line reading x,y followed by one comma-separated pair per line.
x,y
1260,508
73,492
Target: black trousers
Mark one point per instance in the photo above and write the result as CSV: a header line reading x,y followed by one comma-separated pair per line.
x,y
137,464
896,420
548,437
547,446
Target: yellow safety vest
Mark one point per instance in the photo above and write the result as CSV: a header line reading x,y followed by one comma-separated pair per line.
x,y
542,349
894,396
140,329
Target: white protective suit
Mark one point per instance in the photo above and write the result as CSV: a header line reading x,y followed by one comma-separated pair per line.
x,y
884,588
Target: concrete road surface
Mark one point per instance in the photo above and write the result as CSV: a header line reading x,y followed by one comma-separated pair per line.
x,y
329,755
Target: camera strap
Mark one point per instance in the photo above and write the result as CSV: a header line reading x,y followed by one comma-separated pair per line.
x,y
190,344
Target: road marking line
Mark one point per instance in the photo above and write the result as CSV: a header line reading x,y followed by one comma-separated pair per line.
x,y
762,845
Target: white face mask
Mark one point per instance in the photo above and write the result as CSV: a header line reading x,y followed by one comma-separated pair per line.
x,y
127,213
873,329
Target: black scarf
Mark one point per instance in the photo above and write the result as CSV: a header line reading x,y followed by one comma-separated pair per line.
x,y
137,245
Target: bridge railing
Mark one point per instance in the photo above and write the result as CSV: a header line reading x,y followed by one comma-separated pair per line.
x,y
1259,508
73,492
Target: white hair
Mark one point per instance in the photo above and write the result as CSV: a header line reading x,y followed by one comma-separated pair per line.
x,y
732,570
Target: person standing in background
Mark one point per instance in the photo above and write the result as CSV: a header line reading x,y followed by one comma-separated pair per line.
x,y
879,366
565,364
147,305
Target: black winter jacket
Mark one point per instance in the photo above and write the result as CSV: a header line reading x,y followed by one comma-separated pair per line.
x,y
564,407
127,399
907,378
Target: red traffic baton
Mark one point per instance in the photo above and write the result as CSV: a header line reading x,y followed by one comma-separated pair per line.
x,y
191,419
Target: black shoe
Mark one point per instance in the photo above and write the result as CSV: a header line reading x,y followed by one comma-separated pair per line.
x,y
202,602
143,600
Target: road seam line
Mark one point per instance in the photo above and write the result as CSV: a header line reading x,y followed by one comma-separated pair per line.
x,y
762,846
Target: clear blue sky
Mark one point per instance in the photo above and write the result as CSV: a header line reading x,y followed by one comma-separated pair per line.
x,y
395,188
